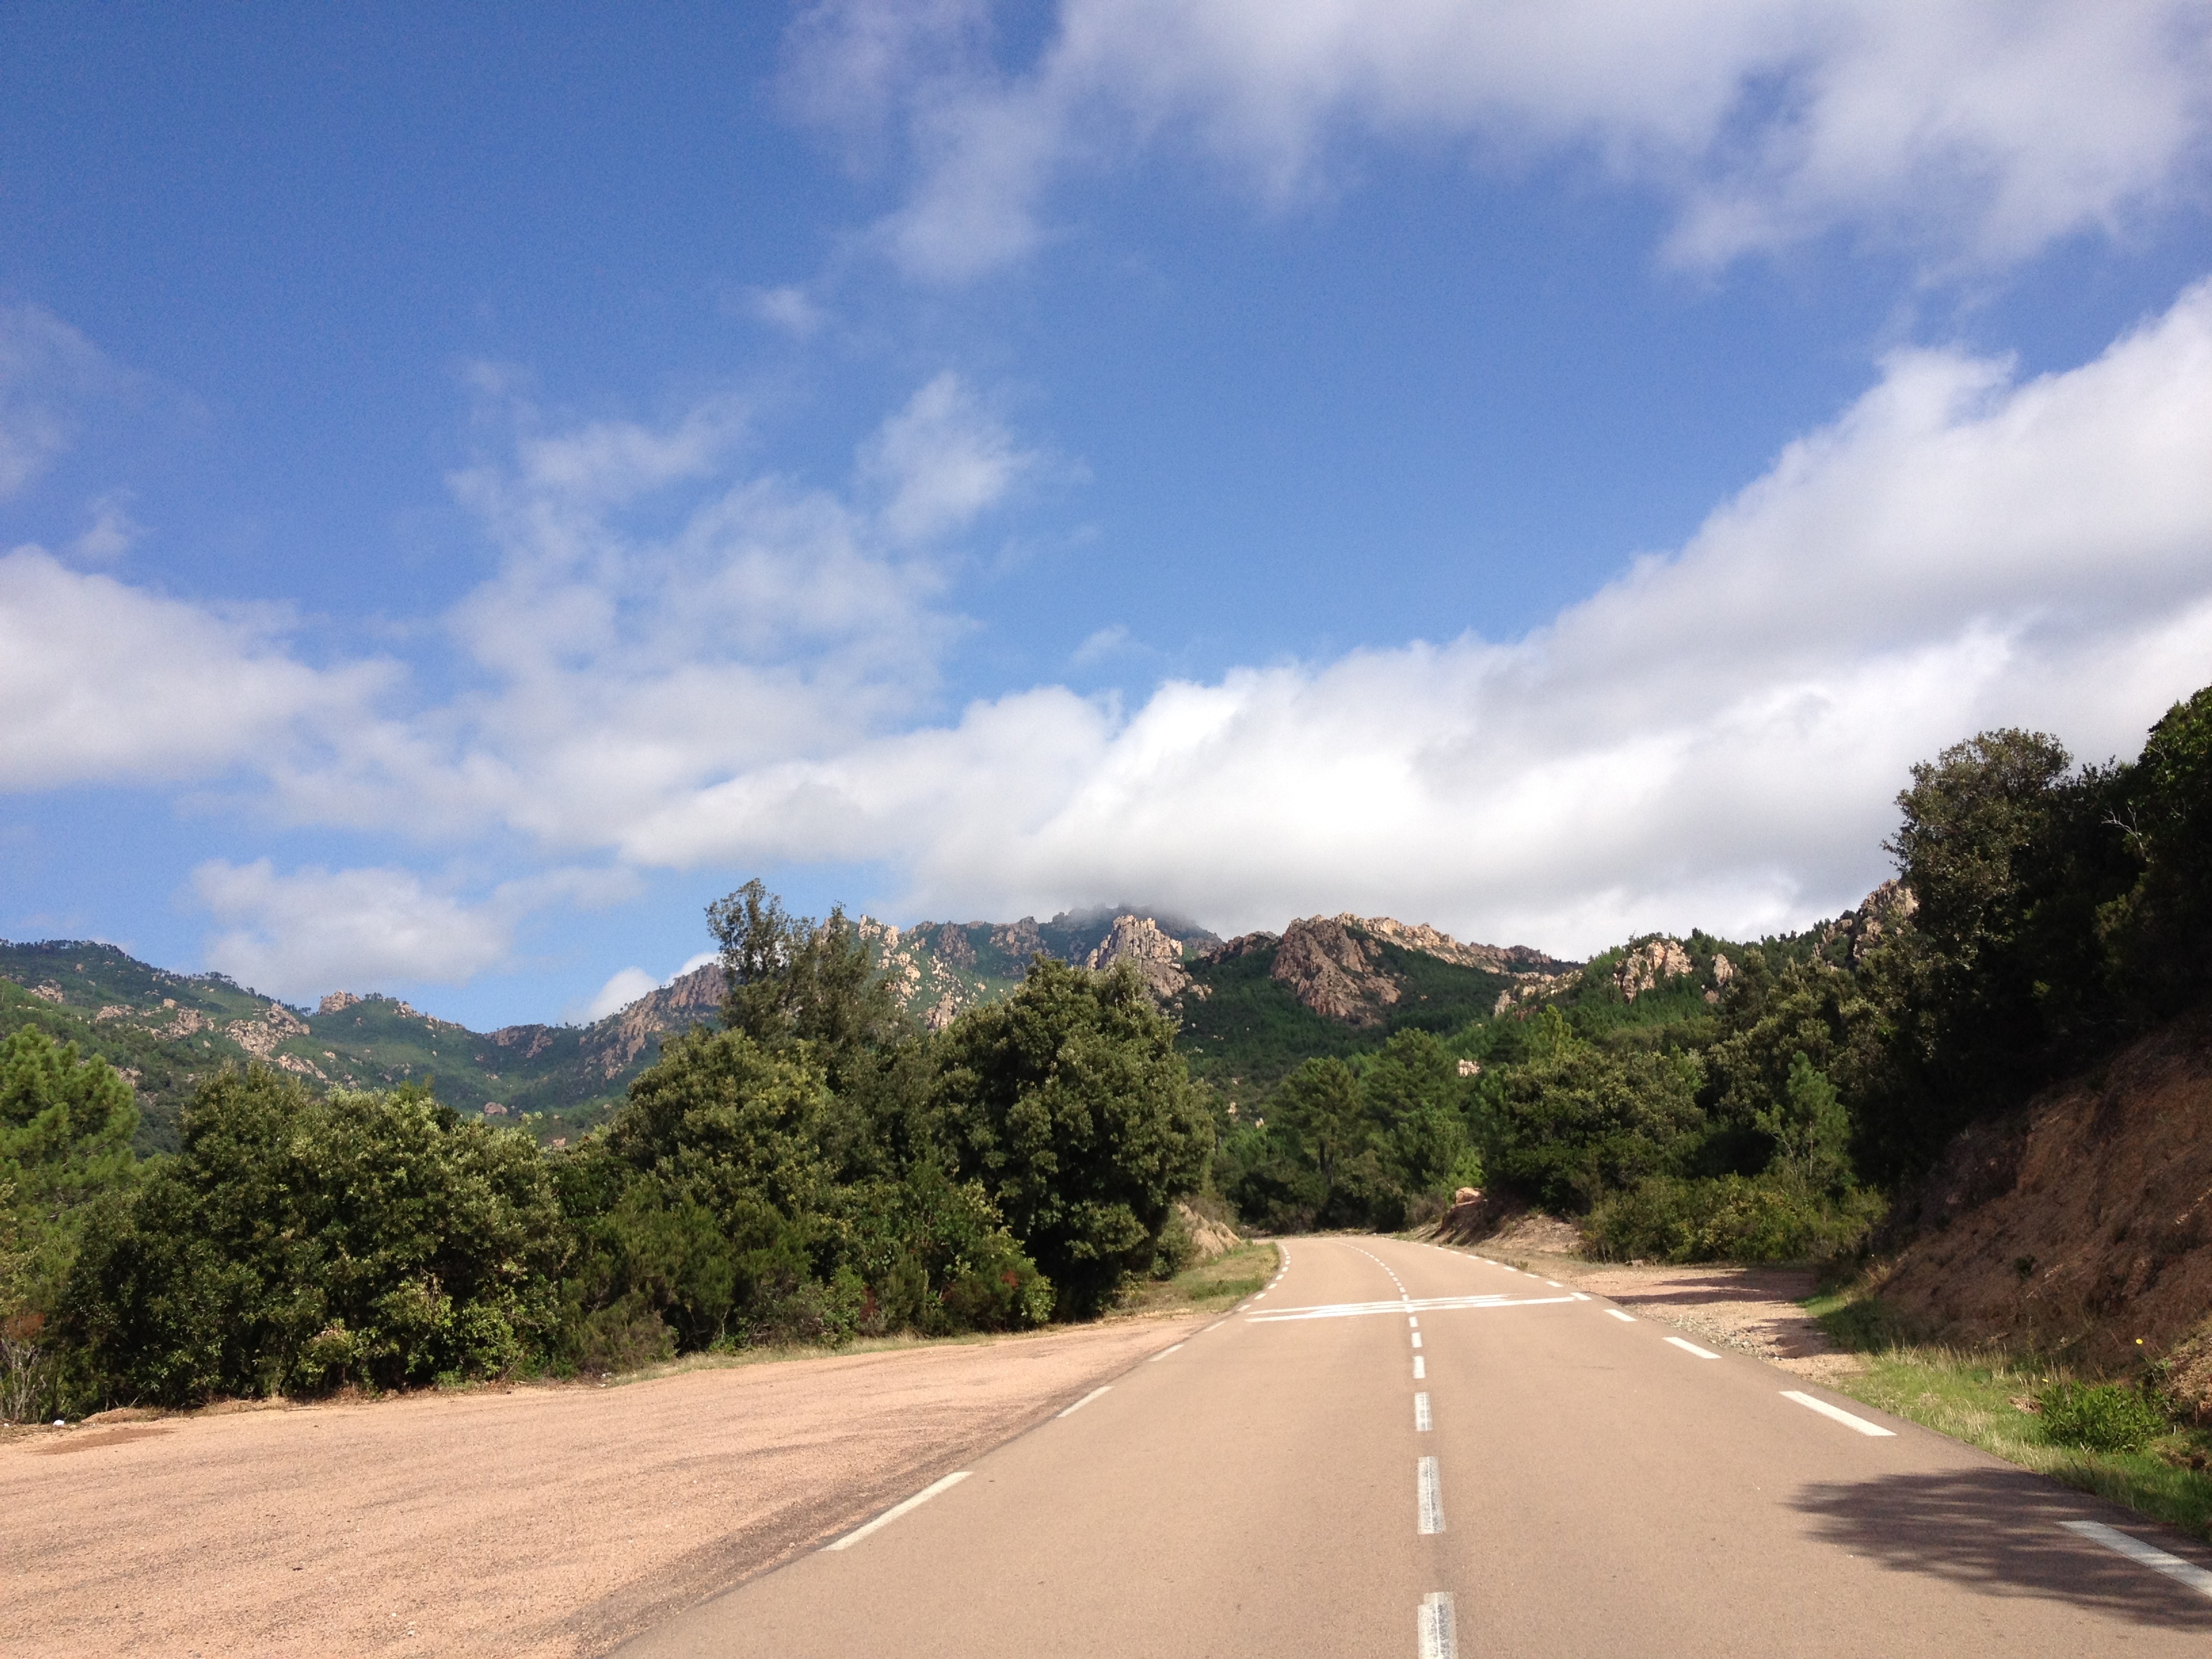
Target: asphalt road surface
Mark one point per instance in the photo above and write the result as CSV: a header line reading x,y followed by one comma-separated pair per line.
x,y
1405,1451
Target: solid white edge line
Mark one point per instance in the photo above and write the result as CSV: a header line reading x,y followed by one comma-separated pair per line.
x,y
1692,1347
2148,1555
1081,1403
1164,1353
1429,1496
897,1510
1838,1413
1438,1639
1626,1319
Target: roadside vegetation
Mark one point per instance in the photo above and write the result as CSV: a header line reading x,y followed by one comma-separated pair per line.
x,y
817,1170
2125,1439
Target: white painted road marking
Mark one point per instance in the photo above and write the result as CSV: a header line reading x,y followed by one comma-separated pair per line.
x,y
1420,1371
1626,1319
1422,1421
1438,1639
1164,1353
1692,1347
1085,1400
2135,1550
1579,1297
1414,1322
1555,1284
897,1510
1429,1485
1417,1338
1838,1413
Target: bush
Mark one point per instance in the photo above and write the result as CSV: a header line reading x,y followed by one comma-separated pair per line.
x,y
1769,1217
298,1244
2105,1417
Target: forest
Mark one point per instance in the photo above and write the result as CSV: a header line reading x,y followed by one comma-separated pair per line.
x,y
818,1167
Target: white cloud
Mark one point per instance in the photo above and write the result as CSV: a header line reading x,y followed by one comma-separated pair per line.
x,y
1712,740
104,682
47,371
1100,644
113,532
314,930
789,308
624,987
1974,129
941,461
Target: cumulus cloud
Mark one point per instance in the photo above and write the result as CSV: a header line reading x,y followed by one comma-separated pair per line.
x,y
106,682
314,930
1964,129
1712,738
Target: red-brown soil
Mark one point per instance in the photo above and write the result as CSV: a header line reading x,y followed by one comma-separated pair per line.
x,y
551,1521
2082,1223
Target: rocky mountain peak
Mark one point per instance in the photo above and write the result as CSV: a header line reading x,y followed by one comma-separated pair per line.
x,y
1141,942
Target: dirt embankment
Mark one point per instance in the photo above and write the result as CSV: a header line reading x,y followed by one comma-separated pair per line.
x,y
2082,1223
537,1521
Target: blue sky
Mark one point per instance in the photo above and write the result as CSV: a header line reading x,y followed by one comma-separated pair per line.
x,y
473,488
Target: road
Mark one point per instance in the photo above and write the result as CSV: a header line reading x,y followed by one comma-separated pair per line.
x,y
1405,1451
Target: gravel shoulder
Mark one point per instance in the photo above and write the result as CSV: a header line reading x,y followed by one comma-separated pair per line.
x,y
1752,1310
524,1523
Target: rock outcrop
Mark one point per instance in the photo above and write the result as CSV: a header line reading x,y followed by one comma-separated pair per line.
x,y
1847,940
1334,970
1650,965
1140,941
684,1002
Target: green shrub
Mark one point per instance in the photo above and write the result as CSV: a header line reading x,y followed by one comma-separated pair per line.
x,y
1771,1218
298,1244
2105,1417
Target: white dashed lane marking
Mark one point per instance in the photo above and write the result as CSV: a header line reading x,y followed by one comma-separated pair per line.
x,y
1437,1637
1419,1369
1626,1319
2148,1555
1164,1353
1422,1421
1693,1348
897,1510
1838,1413
1428,1484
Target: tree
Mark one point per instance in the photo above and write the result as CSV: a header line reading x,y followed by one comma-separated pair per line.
x,y
65,1129
299,1242
1070,1104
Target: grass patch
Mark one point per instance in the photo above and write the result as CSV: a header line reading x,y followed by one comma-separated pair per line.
x,y
1206,1286
1983,1398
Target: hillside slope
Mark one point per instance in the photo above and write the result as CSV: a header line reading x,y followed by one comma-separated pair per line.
x,y
2083,1222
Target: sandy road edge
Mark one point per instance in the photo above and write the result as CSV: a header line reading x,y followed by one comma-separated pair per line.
x,y
723,1564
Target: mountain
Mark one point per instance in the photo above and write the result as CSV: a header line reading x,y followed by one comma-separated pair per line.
x,y
164,1031
1252,1008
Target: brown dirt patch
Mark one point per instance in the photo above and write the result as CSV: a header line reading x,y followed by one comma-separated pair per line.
x,y
2083,1222
1752,1309
536,1521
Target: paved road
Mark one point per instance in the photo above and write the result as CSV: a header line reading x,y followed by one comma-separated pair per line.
x,y
1391,1425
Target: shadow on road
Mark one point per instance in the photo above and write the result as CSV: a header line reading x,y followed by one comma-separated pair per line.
x,y
1996,1531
